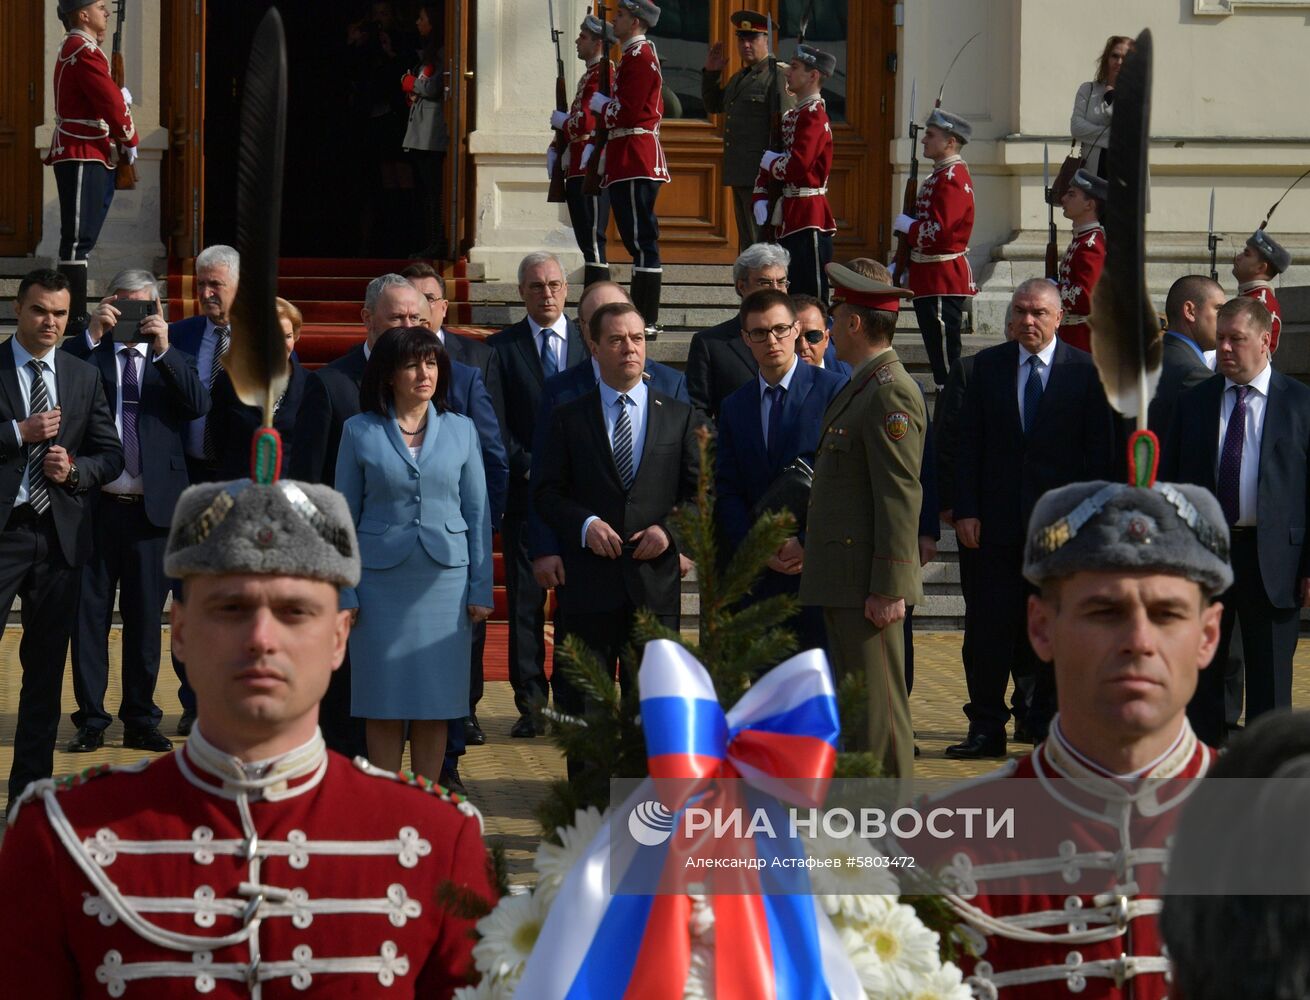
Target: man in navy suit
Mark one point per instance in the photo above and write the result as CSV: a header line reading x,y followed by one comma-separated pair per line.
x,y
814,336
331,398
763,427
718,362
543,546
206,339
529,352
1034,418
154,393
1192,311
1244,434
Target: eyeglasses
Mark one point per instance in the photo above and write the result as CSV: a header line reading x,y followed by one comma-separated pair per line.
x,y
772,283
814,336
761,334
537,287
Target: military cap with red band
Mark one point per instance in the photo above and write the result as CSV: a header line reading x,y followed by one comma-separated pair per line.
x,y
857,289
750,22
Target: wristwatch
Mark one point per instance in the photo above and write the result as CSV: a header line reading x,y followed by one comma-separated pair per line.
x,y
74,476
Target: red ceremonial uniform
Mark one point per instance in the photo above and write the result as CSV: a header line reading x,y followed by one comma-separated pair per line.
x,y
803,168
633,117
1068,904
1263,292
939,236
1079,271
581,124
90,114
190,875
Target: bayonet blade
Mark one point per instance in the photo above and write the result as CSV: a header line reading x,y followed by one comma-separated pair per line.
x,y
914,83
1210,228
1046,166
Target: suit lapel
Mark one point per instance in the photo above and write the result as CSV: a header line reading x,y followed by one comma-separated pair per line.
x,y
1210,438
744,353
64,386
9,381
793,401
577,350
107,362
1275,425
428,448
527,345
392,430
601,440
654,420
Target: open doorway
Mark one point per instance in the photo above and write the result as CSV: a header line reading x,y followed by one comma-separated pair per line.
x,y
350,189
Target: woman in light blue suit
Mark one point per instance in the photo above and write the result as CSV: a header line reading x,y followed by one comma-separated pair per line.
x,y
411,471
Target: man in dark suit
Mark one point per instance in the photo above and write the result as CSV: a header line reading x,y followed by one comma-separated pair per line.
x,y
543,546
153,392
617,462
1191,309
814,335
529,352
763,427
57,440
718,362
331,398
1034,418
205,338
1244,434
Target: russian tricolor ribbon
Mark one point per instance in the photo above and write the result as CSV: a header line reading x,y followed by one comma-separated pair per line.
x,y
777,743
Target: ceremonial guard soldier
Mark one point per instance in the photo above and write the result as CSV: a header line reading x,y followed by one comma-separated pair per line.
x,y
1254,267
802,218
938,234
1068,904
589,214
748,102
253,862
93,116
1081,265
862,541
633,166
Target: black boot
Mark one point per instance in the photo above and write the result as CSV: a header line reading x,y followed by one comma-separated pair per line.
x,y
645,292
75,272
592,273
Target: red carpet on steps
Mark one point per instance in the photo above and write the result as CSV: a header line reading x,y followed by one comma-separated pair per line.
x,y
495,657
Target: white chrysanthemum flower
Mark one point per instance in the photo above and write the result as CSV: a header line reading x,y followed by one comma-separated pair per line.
x,y
832,885
700,973
947,983
554,861
508,934
491,988
891,954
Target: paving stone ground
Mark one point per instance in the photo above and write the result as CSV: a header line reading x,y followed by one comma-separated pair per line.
x,y
507,778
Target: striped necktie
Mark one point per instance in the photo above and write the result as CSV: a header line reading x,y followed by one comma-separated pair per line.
x,y
224,339
38,489
130,385
623,442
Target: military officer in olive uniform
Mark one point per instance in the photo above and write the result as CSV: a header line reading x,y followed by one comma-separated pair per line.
x,y
862,544
748,102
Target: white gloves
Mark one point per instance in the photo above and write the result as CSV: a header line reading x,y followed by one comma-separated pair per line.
x,y
130,152
766,161
127,96
587,150
902,224
598,102
558,118
761,212
551,156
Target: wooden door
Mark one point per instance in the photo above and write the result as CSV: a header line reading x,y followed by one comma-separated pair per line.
x,y
182,112
460,25
694,208
22,109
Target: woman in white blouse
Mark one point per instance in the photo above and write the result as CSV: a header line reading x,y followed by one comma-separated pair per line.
x,y
1092,108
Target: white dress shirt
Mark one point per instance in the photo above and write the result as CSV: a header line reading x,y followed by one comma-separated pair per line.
x,y
559,334
609,409
195,432
21,358
1043,371
127,483
1248,489
766,403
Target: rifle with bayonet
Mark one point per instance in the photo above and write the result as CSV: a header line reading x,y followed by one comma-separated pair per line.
x,y
560,144
591,186
1052,250
1212,241
124,173
770,231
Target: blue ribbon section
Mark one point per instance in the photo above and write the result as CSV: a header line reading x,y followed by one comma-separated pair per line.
x,y
815,717
684,726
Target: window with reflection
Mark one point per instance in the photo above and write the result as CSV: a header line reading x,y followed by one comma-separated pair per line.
x,y
827,31
682,39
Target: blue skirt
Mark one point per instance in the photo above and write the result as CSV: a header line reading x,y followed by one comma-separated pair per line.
x,y
409,652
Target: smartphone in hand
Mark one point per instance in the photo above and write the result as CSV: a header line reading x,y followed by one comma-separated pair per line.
x,y
130,314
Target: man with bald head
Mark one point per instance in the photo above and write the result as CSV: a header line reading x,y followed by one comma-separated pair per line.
x,y
1035,418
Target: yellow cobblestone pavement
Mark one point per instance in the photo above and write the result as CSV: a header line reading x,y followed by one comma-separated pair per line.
x,y
508,777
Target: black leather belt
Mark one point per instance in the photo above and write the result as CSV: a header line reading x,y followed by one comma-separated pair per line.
x,y
125,497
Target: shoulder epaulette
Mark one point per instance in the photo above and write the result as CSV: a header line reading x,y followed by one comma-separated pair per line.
x,y
422,784
45,786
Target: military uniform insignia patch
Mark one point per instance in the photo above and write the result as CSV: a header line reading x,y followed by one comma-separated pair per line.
x,y
885,375
897,423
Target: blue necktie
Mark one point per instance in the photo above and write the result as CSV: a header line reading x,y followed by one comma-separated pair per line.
x,y
623,442
1032,395
775,394
549,363
1229,484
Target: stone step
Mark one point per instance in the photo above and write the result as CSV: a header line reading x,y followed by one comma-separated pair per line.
x,y
674,274
19,266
